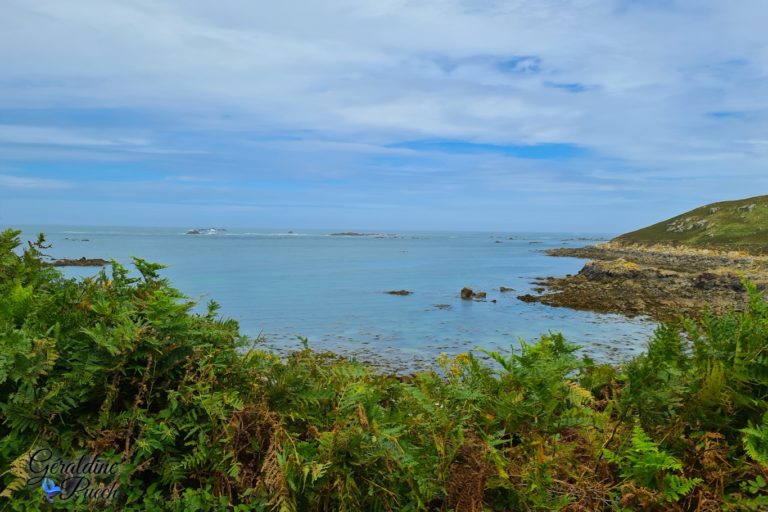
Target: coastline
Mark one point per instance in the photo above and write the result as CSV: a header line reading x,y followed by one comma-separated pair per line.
x,y
659,281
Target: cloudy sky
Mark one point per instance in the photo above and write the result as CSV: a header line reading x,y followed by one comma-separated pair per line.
x,y
555,115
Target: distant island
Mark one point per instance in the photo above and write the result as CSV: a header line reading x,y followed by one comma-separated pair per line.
x,y
682,265
206,231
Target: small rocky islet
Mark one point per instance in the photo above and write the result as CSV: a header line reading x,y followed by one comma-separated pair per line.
x,y
681,266
399,292
80,262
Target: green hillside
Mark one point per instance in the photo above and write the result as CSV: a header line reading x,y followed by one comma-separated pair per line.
x,y
741,224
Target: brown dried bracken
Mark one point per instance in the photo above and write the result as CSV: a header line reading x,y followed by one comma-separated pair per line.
x,y
256,444
468,473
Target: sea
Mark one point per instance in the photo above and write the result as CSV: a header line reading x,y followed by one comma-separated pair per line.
x,y
329,287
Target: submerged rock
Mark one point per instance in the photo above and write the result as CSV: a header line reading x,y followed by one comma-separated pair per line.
x,y
399,292
505,289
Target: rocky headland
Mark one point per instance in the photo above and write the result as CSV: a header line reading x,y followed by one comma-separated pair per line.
x,y
644,273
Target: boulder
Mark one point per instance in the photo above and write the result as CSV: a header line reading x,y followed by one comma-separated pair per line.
x,y
399,292
467,293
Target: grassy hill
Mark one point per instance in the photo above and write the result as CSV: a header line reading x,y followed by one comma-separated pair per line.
x,y
741,224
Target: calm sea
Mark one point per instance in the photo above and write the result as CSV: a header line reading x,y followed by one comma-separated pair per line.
x,y
330,289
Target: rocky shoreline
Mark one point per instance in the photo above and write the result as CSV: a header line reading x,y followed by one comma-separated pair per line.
x,y
658,281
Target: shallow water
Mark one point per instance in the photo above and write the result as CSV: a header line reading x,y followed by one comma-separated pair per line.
x,y
330,288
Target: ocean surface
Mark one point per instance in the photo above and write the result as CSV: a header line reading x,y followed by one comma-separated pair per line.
x,y
280,284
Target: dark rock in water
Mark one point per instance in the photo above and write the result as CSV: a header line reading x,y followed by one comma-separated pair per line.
x,y
442,306
480,295
349,233
497,242
505,289
80,262
467,293
493,300
399,292
528,298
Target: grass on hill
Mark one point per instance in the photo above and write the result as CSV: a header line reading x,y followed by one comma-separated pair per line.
x,y
741,225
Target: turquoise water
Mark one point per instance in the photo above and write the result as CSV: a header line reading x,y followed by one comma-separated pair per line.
x,y
330,288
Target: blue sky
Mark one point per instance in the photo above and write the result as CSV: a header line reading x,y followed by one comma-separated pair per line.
x,y
512,115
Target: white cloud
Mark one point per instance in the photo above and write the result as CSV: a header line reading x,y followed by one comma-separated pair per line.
x,y
10,181
344,66
22,134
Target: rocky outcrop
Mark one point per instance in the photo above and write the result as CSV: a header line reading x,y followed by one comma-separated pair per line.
x,y
662,283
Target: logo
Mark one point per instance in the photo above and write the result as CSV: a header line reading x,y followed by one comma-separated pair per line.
x,y
89,478
50,489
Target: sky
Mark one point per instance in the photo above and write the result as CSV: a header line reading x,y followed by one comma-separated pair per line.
x,y
513,115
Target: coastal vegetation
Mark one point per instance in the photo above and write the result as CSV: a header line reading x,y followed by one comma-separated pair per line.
x,y
197,417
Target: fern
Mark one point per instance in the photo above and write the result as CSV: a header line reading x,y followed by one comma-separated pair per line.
x,y
645,464
755,441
